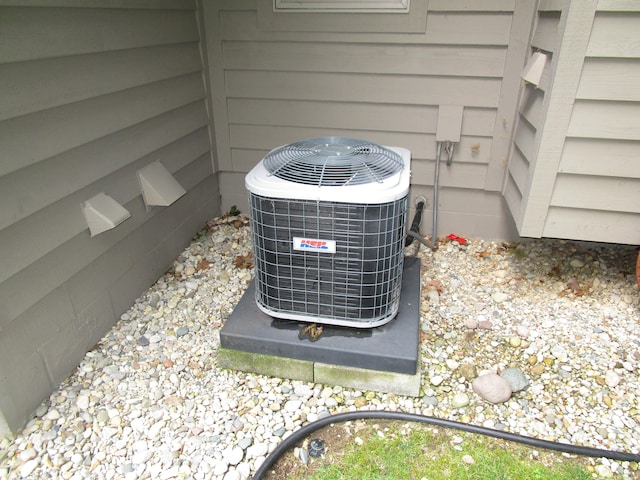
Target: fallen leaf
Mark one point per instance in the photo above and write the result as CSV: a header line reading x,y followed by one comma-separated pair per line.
x,y
575,288
435,285
203,264
244,261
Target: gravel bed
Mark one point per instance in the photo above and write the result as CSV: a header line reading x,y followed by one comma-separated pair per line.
x,y
149,401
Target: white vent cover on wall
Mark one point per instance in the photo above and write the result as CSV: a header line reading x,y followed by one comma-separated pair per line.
x,y
158,186
102,213
328,222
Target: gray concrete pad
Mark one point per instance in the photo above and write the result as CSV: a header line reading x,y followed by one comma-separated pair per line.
x,y
392,347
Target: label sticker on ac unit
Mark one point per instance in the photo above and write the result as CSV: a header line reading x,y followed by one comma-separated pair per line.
x,y
314,245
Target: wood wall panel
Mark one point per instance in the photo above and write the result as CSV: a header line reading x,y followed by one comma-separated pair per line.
x,y
90,92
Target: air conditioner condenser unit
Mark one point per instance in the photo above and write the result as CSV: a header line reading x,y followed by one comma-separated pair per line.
x,y
328,219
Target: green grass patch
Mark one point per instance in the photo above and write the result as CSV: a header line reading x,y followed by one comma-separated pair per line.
x,y
392,450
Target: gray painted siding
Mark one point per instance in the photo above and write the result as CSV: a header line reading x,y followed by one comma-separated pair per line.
x,y
88,96
598,180
592,191
279,78
531,114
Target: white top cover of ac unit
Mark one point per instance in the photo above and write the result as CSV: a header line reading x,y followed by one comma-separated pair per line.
x,y
335,155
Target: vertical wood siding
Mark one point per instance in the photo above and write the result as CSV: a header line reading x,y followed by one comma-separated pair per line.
x,y
90,92
286,77
594,191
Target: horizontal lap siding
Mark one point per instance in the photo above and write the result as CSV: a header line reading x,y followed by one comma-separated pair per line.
x,y
26,92
442,28
40,33
345,87
90,92
473,61
284,84
599,175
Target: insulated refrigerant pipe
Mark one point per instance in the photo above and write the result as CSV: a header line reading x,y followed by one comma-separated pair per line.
x,y
308,429
414,231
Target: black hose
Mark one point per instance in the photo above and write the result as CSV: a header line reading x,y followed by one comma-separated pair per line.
x,y
415,225
305,431
419,237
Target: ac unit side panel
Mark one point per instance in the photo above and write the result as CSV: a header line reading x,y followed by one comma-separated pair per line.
x,y
356,282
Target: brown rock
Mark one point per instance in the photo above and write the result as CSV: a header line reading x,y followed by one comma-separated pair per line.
x,y
492,388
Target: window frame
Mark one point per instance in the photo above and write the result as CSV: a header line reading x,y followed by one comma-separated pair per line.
x,y
346,6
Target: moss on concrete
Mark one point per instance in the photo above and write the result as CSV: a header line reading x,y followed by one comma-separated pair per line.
x,y
282,367
265,364
364,379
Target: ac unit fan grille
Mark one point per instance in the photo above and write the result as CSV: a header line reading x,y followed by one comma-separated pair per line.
x,y
360,282
333,161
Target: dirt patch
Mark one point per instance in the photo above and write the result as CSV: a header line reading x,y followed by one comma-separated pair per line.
x,y
338,439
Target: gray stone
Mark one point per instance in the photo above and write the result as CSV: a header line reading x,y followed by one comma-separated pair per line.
x,y
303,455
143,341
41,410
562,373
182,331
245,442
516,379
154,300
576,263
433,401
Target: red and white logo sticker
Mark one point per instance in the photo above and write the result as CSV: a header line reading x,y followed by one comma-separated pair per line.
x,y
314,245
